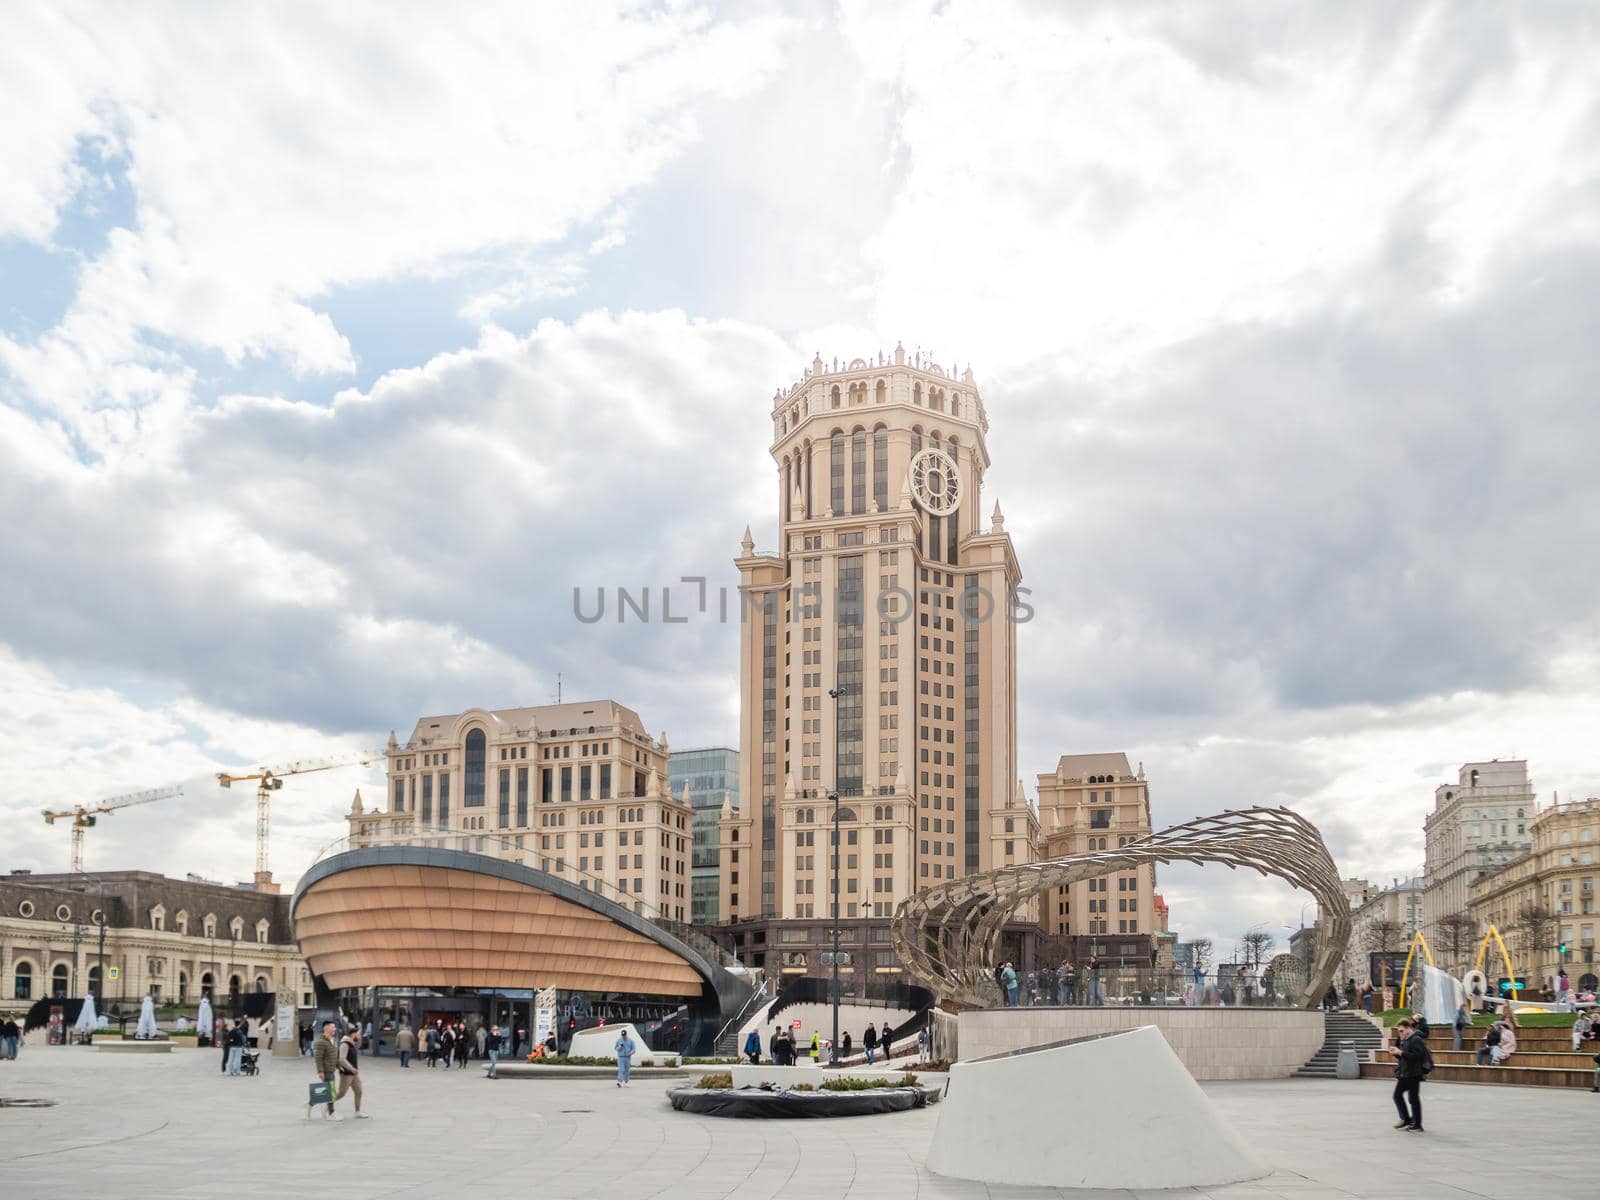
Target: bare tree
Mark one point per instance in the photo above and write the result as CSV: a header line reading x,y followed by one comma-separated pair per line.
x,y
1536,923
1382,938
1200,953
1455,931
1257,947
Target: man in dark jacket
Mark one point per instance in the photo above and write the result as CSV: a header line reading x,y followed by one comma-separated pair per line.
x,y
885,1041
1412,1064
350,1068
326,1061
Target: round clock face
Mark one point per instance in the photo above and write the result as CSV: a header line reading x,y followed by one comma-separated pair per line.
x,y
935,482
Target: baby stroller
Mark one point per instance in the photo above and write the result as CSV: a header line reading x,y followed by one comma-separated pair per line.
x,y
248,1063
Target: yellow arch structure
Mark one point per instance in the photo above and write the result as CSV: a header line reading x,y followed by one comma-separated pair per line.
x,y
1505,957
1416,940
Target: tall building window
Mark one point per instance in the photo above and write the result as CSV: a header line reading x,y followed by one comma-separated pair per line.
x,y
933,537
836,474
970,699
444,798
566,784
808,481
788,489
522,795
769,754
952,535
858,472
505,797
880,467
427,799
546,785
399,795
473,783
586,782
849,676
605,781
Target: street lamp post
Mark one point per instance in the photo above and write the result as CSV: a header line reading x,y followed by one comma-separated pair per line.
x,y
835,692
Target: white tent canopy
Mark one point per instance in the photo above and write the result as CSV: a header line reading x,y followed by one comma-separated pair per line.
x,y
147,1019
202,1021
86,1022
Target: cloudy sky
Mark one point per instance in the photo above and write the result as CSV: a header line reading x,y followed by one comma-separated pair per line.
x,y
338,346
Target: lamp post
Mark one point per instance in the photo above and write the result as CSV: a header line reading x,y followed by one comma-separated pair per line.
x,y
836,692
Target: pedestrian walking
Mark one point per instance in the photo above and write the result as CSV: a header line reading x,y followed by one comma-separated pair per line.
x,y
9,1033
225,1042
447,1046
1067,983
922,1044
816,1048
463,1046
775,1047
350,1069
869,1042
624,1049
847,1043
886,1042
752,1047
789,1049
483,1041
1412,1064
325,1057
236,1041
494,1042
405,1041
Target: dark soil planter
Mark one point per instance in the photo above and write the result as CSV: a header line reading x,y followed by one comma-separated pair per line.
x,y
754,1102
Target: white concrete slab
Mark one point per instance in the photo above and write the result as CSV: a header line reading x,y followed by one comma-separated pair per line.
x,y
1116,1111
601,1041
748,1076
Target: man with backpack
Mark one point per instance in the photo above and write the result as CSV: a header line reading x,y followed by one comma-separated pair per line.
x,y
1412,1064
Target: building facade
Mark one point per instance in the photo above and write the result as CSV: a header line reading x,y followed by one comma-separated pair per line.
x,y
1478,824
877,656
175,940
578,790
1090,803
711,777
1381,930
1546,899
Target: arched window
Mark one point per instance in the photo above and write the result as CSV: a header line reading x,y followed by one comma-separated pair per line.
x,y
183,987
916,393
835,396
472,790
234,984
94,979
207,984
788,489
836,473
22,984
883,392
158,918
261,983
262,928
209,925
880,468
181,921
58,980
236,928
916,439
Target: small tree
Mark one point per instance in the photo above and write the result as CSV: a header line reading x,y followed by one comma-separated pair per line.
x,y
1200,953
1536,923
1382,938
1455,931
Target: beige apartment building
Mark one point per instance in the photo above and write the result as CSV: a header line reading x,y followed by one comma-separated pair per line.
x,y
173,939
889,588
1478,824
1382,925
1090,803
575,789
1546,898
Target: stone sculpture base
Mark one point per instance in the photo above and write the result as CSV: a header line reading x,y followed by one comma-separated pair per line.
x,y
1110,1111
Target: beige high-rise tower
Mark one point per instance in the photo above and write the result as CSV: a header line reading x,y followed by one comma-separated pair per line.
x,y
886,585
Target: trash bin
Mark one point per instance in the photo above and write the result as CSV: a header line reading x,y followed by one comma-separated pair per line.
x,y
1348,1067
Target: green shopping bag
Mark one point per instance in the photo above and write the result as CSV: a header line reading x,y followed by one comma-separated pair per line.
x,y
321,1093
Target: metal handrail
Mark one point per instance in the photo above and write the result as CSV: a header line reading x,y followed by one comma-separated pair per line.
x,y
756,994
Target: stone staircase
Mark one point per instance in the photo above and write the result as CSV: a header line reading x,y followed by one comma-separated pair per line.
x,y
1338,1028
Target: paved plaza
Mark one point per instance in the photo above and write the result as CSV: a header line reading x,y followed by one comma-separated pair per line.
x,y
131,1126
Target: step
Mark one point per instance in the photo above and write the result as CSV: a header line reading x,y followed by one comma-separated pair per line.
x,y
1510,1076
1522,1058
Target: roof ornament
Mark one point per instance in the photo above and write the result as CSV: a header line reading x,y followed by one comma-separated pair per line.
x,y
747,543
998,519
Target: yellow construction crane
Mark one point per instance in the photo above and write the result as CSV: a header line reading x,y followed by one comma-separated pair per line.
x,y
270,779
84,816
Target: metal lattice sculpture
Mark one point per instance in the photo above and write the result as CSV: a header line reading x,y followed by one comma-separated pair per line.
x,y
946,936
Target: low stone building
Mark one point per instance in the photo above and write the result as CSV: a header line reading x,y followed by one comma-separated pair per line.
x,y
174,939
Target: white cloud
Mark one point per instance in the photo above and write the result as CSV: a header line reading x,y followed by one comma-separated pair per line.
x,y
275,160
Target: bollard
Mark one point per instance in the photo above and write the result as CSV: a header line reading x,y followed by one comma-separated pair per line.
x,y
1348,1068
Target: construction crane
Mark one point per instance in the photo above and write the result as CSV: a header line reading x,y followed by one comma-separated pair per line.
x,y
270,779
85,816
